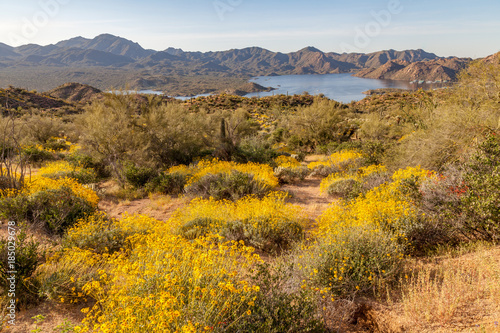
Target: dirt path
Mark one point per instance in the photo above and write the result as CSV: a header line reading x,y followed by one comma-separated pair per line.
x,y
57,317
304,193
307,195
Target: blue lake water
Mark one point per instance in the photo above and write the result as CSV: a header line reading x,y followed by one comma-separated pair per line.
x,y
340,87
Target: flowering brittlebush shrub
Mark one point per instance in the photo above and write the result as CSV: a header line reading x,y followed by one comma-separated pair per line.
x,y
279,307
262,173
354,183
53,204
362,242
64,275
169,284
230,180
38,153
364,172
411,173
144,278
37,184
101,234
286,162
269,224
64,169
88,247
337,162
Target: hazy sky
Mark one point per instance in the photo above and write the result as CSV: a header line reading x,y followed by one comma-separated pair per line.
x,y
458,27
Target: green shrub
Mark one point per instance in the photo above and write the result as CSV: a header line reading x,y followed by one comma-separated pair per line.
x,y
139,176
291,175
345,187
26,256
373,151
36,154
52,209
276,308
231,186
168,183
438,130
354,261
56,144
261,233
254,149
463,202
319,124
83,176
480,202
144,132
86,161
41,129
97,233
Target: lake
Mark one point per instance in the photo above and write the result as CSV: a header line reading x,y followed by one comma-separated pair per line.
x,y
340,87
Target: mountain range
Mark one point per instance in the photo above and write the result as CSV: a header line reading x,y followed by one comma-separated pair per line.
x,y
127,63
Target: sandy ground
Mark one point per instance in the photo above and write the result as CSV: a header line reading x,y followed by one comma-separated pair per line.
x,y
307,195
57,317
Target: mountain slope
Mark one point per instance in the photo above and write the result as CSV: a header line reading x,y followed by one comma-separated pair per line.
x,y
7,51
430,70
76,57
108,43
377,59
75,92
109,50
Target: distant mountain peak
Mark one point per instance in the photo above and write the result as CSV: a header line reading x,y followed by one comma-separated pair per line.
x,y
108,43
174,51
107,35
310,49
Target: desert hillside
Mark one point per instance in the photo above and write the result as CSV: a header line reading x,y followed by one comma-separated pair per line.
x,y
288,213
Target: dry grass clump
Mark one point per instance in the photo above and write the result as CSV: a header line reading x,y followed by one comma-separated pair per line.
x,y
453,294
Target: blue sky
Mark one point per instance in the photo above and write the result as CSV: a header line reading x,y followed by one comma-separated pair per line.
x,y
461,28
